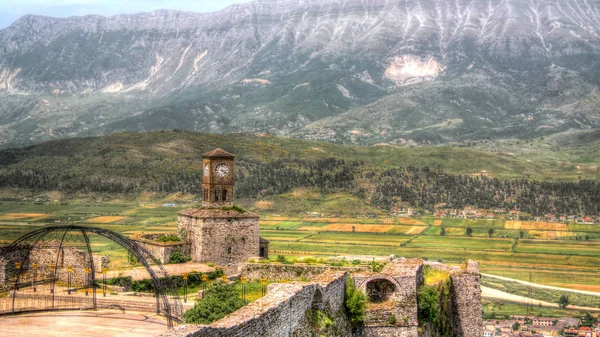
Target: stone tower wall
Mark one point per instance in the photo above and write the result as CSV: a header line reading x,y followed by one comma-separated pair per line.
x,y
466,301
222,241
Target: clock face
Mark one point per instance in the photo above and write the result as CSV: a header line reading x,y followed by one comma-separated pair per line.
x,y
206,170
222,170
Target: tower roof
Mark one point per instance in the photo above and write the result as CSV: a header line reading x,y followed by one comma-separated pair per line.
x,y
218,153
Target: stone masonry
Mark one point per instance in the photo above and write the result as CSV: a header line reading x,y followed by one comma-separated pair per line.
x,y
283,311
401,279
223,237
466,300
161,250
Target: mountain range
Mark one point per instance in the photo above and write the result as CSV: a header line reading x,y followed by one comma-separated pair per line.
x,y
403,72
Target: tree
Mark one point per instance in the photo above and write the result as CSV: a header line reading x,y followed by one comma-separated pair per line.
x,y
469,231
443,231
516,326
490,232
563,301
355,302
220,300
521,234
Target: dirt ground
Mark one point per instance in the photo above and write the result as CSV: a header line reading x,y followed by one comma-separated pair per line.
x,y
105,323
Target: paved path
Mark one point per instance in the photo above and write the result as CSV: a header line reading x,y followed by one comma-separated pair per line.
x,y
495,294
584,292
105,323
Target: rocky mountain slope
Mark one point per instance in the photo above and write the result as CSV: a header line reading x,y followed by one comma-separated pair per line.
x,y
367,71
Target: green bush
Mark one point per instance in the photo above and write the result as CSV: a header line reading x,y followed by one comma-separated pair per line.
x,y
321,323
168,238
220,300
428,309
355,303
179,257
283,259
120,281
376,267
194,279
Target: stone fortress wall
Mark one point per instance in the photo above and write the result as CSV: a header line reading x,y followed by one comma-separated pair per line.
x,y
283,311
283,272
45,255
162,251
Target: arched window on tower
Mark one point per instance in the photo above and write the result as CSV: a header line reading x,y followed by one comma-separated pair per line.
x,y
217,195
224,195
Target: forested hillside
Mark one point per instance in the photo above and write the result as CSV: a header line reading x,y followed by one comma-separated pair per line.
x,y
168,162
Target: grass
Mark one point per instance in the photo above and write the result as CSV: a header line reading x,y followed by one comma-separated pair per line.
x,y
561,247
356,238
442,242
548,295
501,310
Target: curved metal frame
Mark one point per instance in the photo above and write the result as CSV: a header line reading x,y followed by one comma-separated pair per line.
x,y
165,287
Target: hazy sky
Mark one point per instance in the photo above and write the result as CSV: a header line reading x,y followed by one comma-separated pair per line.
x,y
10,10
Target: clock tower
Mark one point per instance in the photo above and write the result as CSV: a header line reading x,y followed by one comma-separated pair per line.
x,y
217,179
217,232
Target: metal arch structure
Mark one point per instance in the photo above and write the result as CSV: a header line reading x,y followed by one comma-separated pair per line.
x,y
23,273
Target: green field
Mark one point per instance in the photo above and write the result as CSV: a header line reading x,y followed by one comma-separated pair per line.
x,y
560,262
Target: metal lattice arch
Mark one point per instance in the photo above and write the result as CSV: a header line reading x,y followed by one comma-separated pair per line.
x,y
53,268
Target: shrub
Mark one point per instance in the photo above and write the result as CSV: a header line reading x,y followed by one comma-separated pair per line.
x,y
168,238
179,257
392,319
321,323
120,281
376,267
220,300
283,259
428,309
356,262
355,303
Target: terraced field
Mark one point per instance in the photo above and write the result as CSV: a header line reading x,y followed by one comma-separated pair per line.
x,y
554,254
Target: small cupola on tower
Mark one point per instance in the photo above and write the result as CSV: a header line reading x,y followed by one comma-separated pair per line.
x,y
217,179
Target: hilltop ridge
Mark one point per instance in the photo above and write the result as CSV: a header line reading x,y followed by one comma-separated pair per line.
x,y
364,72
